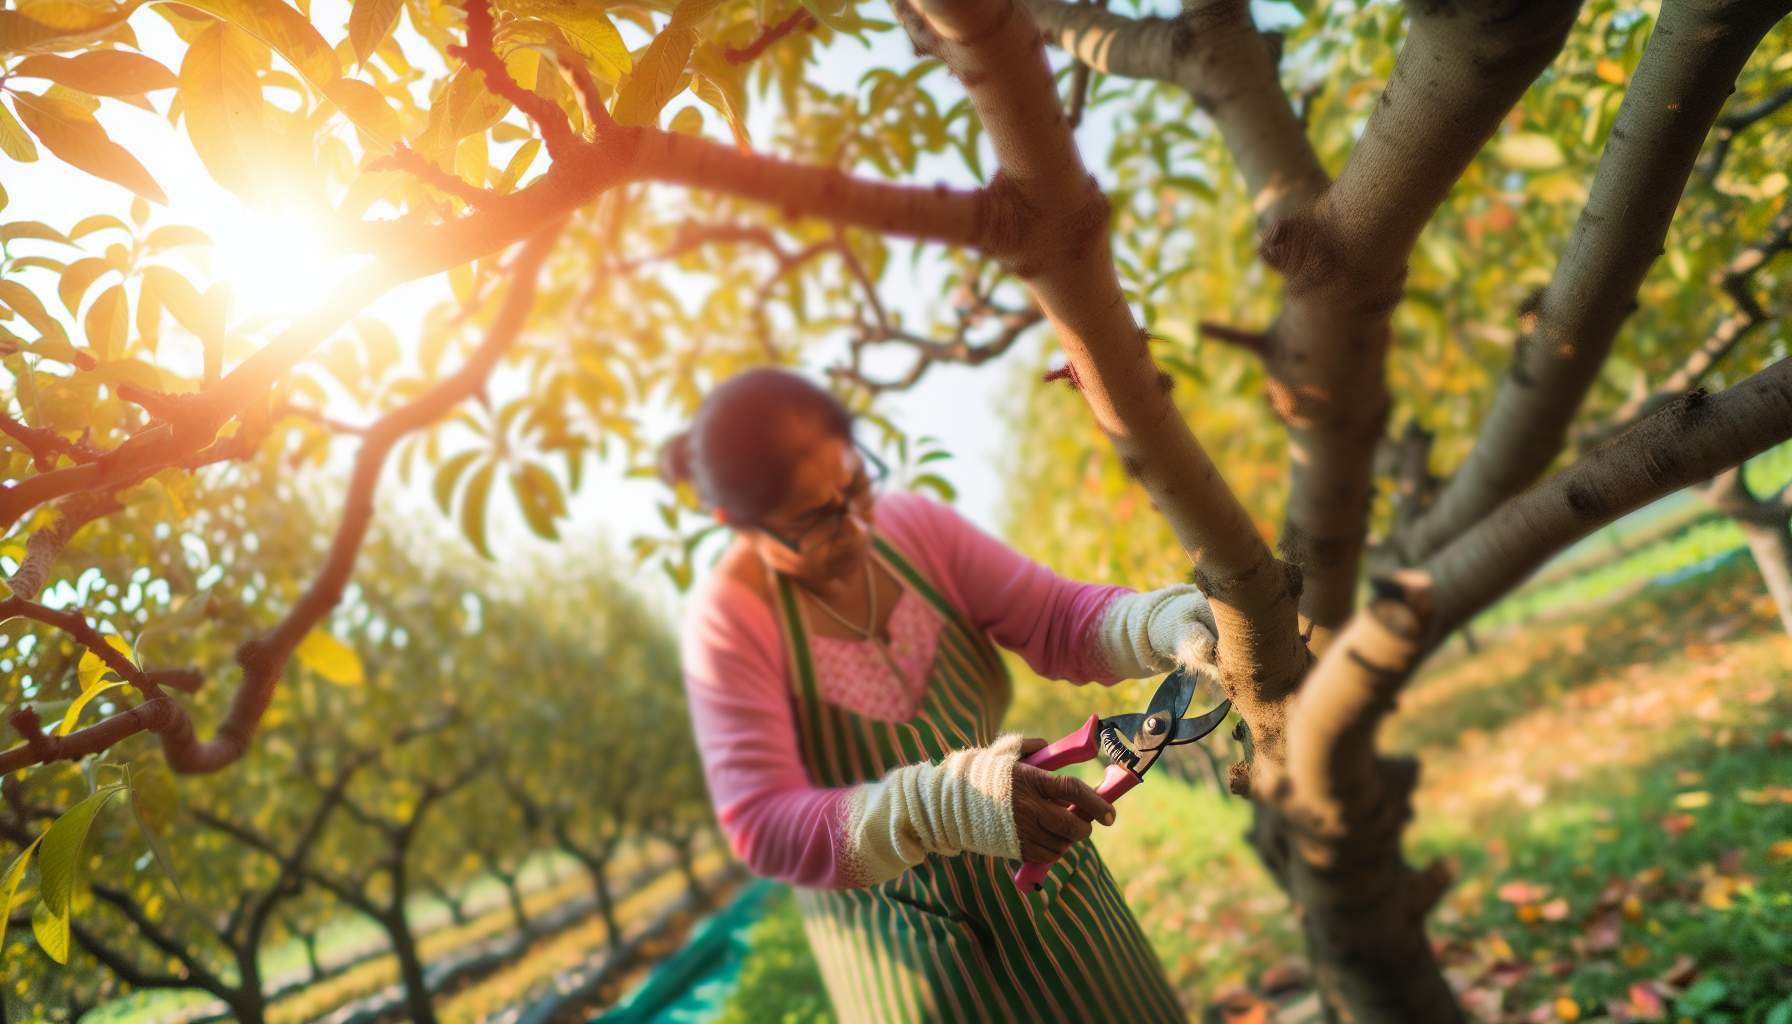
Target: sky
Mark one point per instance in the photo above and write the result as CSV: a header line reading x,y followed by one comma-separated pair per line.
x,y
274,260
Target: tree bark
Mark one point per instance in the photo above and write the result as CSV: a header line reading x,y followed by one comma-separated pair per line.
x,y
1771,545
1688,69
410,967
515,897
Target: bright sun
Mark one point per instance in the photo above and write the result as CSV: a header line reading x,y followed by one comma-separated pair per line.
x,y
274,255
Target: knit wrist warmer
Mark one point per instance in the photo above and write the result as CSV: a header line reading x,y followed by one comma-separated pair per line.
x,y
963,804
1142,634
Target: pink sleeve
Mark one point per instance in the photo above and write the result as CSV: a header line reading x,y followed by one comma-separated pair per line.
x,y
1050,621
779,823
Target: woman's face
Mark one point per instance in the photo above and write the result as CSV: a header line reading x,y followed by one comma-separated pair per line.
x,y
826,513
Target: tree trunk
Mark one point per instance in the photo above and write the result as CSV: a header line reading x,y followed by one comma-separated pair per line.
x,y
310,941
1771,545
606,906
515,896
687,866
456,908
410,968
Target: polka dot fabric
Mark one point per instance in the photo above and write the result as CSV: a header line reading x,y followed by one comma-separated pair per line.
x,y
853,675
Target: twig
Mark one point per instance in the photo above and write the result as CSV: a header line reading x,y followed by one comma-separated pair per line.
x,y
799,20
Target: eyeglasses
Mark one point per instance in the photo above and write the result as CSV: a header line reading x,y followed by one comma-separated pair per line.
x,y
832,516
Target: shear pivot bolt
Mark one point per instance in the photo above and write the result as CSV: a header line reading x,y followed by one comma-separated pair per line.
x,y
1153,726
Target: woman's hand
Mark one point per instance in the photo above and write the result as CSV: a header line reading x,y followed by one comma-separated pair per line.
x,y
1045,826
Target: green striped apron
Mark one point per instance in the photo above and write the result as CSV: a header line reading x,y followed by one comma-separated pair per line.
x,y
952,939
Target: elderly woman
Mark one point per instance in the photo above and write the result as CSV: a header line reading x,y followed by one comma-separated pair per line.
x,y
847,699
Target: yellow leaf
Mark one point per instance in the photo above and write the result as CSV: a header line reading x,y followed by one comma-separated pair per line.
x,y
331,658
688,121
78,140
366,108
587,30
1529,151
15,142
1780,852
283,29
221,96
1609,70
100,72
1695,798
48,25
92,666
1567,1009
369,23
79,704
108,322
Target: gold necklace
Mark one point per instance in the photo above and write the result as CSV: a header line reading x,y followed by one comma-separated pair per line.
x,y
867,632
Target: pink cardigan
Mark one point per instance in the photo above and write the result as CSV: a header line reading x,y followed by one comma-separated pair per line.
x,y
736,676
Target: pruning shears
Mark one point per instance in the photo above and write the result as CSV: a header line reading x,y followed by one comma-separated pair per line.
x,y
1130,743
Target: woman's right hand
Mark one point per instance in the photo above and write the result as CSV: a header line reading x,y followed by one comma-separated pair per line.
x,y
1045,826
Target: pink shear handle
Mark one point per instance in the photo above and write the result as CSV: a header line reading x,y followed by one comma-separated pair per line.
x,y
1114,784
1078,746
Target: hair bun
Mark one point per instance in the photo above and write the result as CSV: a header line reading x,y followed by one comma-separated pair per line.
x,y
675,459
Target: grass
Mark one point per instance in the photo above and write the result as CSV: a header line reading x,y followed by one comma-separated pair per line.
x,y
1609,786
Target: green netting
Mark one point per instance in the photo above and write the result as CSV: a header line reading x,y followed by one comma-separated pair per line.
x,y
694,983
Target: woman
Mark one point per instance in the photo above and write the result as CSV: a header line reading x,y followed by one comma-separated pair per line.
x,y
846,695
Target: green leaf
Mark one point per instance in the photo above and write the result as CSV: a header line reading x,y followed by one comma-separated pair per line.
x,y
108,323
9,885
79,704
448,475
329,657
472,508
1529,151
222,103
933,456
15,142
936,483
117,73
154,799
539,495
283,29
78,140
369,23
51,930
59,863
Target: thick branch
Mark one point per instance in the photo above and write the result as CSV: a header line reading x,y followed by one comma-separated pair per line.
x,y
1687,70
1214,51
1461,69
1689,441
46,545
1060,218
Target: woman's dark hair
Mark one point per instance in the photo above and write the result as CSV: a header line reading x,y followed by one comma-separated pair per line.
x,y
736,452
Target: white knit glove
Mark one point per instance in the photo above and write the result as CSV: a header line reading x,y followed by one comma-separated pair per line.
x,y
963,804
1146,633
